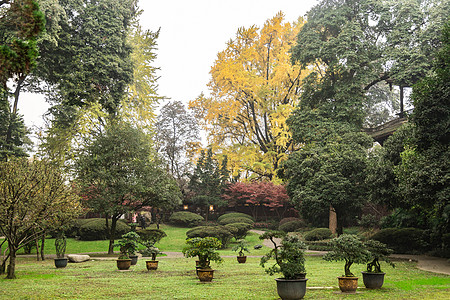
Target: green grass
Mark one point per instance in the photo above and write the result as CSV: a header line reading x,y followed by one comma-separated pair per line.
x,y
175,279
174,242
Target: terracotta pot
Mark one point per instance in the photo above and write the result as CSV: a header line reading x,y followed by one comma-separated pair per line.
x,y
123,264
61,262
291,289
205,275
373,280
242,259
151,264
348,284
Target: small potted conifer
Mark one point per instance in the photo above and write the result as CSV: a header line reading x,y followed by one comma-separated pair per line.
x,y
148,238
240,247
289,261
348,248
128,246
374,278
206,251
60,245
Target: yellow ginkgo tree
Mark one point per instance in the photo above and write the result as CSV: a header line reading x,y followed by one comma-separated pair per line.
x,y
253,89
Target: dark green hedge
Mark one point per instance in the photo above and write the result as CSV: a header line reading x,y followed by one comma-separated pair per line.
x,y
239,230
235,215
318,234
292,226
185,219
219,232
95,229
402,240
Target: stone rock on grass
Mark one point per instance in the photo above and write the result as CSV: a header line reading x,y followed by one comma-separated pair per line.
x,y
77,258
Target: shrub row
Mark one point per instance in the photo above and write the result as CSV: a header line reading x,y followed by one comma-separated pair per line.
x,y
223,233
185,219
95,229
403,240
318,234
235,215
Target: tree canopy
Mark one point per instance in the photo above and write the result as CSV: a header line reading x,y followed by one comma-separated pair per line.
x,y
118,173
254,88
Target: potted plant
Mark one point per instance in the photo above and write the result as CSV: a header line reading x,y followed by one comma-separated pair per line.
x,y
241,246
60,245
289,261
128,246
348,248
206,251
374,278
148,238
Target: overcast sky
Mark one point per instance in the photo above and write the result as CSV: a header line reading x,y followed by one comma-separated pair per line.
x,y
192,33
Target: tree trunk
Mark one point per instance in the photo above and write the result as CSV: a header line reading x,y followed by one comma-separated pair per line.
x,y
12,263
112,233
36,242
332,220
42,247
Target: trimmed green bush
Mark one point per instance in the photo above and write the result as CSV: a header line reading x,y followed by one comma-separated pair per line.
x,y
185,219
234,215
239,230
402,240
74,228
231,220
219,232
318,234
285,220
96,230
151,236
291,226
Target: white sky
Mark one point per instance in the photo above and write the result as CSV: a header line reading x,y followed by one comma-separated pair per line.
x,y
192,33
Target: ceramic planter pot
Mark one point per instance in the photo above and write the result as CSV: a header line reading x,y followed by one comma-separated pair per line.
x,y
291,289
151,264
205,275
123,264
373,280
134,259
348,284
61,262
242,259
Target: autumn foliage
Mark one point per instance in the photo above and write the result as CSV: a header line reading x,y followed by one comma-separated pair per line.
x,y
254,87
259,197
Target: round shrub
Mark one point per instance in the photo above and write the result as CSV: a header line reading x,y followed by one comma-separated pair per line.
x,y
73,229
219,232
231,220
235,215
96,230
402,240
151,236
285,220
238,230
185,219
292,226
318,234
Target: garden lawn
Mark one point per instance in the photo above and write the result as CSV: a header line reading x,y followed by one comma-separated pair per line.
x,y
173,242
175,279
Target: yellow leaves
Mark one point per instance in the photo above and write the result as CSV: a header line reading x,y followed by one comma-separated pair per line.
x,y
253,89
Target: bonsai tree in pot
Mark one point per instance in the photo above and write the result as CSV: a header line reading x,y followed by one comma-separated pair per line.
x,y
348,248
60,246
206,251
148,238
374,278
289,261
241,246
128,246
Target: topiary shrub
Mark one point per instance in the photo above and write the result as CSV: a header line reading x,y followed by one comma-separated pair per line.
x,y
219,232
96,230
73,229
185,219
285,220
231,220
402,240
235,215
291,226
318,234
239,230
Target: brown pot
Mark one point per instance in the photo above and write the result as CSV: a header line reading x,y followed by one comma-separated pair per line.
x,y
348,284
123,264
151,264
242,259
205,275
